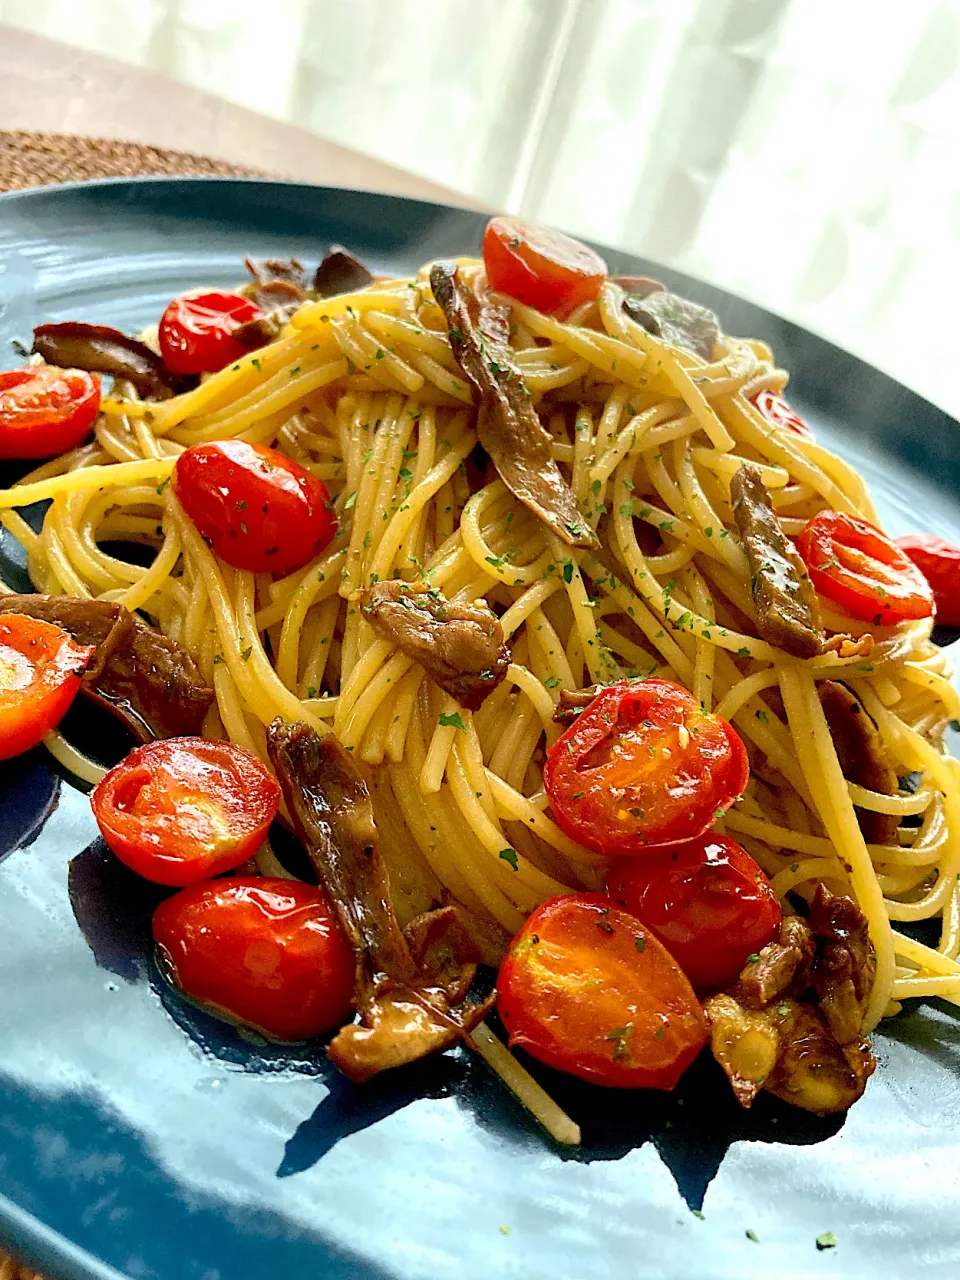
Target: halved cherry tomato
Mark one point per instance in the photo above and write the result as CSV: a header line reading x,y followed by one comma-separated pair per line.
x,y
40,670
585,988
45,411
267,953
776,410
707,901
539,266
185,809
854,564
257,508
939,562
643,765
196,333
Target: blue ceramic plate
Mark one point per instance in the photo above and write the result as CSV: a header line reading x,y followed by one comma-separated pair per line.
x,y
139,1136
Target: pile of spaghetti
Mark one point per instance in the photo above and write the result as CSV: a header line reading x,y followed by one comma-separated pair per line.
x,y
365,391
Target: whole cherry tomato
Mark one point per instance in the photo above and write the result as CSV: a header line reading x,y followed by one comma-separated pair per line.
x,y
257,508
40,670
854,564
267,953
939,562
45,411
184,809
707,901
196,333
643,765
586,988
540,267
776,410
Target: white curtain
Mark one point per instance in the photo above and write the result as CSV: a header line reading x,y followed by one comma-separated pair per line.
x,y
804,153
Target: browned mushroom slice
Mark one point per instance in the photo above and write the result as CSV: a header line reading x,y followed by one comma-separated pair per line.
x,y
148,682
787,1049
340,272
278,300
507,423
862,757
845,966
268,270
460,646
573,701
676,320
410,987
98,348
779,967
793,1022
783,595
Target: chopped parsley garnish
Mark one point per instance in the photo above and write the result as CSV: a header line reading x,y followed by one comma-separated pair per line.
x,y
454,721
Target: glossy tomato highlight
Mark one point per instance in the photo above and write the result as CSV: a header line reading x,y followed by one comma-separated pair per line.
x,y
587,989
197,333
855,564
184,809
643,765
707,901
541,267
267,953
257,508
45,411
41,667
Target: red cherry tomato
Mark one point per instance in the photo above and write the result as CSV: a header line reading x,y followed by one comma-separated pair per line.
x,y
939,562
196,334
643,765
185,809
707,901
585,988
257,508
776,410
854,564
45,411
267,953
540,267
40,670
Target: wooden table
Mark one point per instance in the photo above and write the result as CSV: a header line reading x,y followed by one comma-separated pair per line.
x,y
48,87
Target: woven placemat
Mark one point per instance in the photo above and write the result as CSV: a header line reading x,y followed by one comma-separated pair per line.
x,y
41,159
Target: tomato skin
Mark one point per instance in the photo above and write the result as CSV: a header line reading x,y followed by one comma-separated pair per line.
x,y
939,562
41,666
707,901
183,809
45,411
854,564
268,953
776,410
541,267
257,508
585,988
619,780
196,333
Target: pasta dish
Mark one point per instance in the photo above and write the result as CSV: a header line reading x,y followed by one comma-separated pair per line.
x,y
524,598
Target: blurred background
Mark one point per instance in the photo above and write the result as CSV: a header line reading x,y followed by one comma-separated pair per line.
x,y
803,153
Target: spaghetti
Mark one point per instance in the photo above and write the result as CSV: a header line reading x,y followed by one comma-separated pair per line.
x,y
365,392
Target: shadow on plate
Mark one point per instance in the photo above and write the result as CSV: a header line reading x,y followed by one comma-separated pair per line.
x,y
692,1128
29,792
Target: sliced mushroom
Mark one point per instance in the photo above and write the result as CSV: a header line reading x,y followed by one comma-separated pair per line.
x,y
862,757
783,595
98,348
147,681
460,646
507,423
410,987
676,320
340,272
